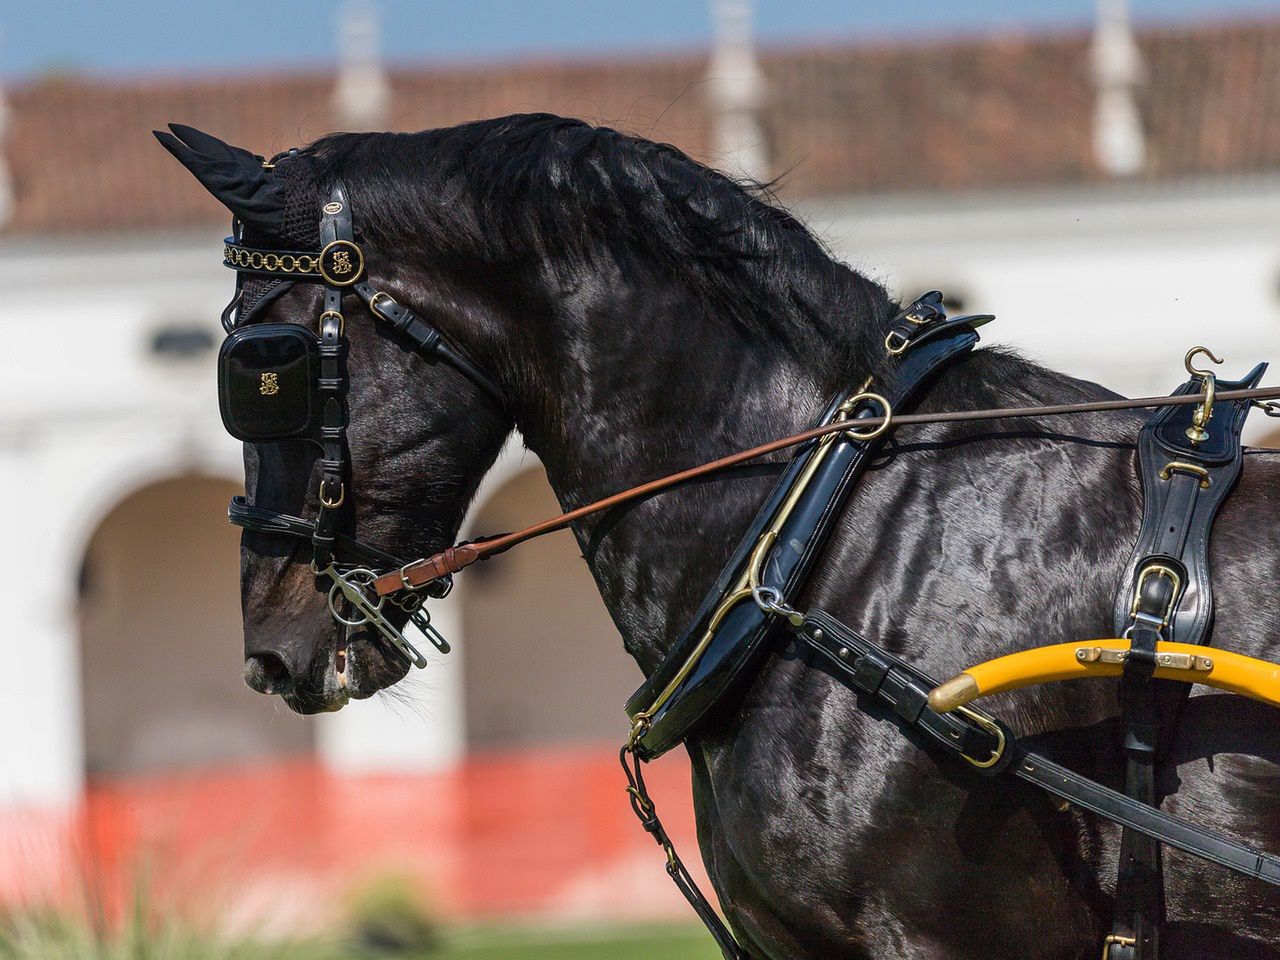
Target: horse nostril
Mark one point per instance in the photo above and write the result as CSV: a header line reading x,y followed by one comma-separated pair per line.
x,y
267,673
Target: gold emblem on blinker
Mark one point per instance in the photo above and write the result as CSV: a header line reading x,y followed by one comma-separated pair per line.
x,y
270,384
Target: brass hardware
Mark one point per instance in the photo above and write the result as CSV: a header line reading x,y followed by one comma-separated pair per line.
x,y
332,207
341,263
1197,433
1171,661
377,298
949,695
1184,661
1181,466
1118,941
270,262
871,432
916,319
1157,570
269,385
1191,355
991,727
896,347
747,583
333,504
342,321
1101,655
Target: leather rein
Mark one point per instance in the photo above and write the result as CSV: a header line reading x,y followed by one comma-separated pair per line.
x,y
419,573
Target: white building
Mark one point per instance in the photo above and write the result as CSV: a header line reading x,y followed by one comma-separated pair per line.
x,y
1114,204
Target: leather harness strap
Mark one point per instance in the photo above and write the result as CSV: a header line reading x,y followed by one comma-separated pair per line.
x,y
992,749
1189,461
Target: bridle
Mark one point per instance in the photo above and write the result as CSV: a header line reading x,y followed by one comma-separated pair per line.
x,y
281,381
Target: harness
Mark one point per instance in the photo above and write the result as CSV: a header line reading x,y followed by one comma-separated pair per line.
x,y
281,382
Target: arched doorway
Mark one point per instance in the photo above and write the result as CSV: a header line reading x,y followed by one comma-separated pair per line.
x,y
159,619
543,664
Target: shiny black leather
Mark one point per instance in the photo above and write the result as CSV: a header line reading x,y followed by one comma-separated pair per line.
x,y
740,641
1184,485
872,670
267,376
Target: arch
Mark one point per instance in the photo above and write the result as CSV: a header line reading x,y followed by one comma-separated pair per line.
x,y
544,662
158,617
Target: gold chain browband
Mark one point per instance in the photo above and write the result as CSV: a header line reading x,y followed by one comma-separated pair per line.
x,y
270,261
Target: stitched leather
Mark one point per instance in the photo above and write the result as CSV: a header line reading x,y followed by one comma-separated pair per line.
x,y
829,637
740,640
1179,507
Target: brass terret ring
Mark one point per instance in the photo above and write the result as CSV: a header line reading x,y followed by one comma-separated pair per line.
x,y
870,433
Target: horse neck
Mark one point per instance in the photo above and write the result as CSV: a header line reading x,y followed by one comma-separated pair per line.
x,y
653,390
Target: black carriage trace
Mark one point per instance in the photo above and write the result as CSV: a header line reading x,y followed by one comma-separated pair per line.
x,y
281,381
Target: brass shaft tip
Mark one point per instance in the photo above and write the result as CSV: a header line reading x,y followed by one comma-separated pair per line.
x,y
955,692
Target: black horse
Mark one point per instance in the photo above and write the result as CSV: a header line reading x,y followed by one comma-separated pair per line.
x,y
643,314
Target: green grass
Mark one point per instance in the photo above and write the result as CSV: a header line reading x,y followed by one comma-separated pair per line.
x,y
48,937
635,943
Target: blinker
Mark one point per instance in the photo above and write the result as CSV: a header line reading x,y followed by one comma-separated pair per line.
x,y
268,375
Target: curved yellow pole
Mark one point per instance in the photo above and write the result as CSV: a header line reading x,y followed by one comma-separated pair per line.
x,y
1223,669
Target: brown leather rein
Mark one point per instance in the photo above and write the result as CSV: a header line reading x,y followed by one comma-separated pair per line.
x,y
452,559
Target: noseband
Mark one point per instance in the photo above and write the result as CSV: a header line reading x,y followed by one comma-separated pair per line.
x,y
281,381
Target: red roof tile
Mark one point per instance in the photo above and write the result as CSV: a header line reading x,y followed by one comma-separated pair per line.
x,y
920,116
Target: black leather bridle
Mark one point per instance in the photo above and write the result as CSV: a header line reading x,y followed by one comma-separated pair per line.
x,y
260,362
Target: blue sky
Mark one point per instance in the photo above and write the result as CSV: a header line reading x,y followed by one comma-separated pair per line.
x,y
130,37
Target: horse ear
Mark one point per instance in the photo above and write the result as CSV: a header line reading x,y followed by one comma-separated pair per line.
x,y
233,175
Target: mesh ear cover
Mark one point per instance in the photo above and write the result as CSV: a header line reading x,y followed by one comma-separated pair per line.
x,y
267,383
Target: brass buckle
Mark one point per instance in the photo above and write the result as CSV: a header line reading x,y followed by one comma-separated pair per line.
x,y
1181,466
333,504
378,298
983,721
342,321
1157,570
1118,941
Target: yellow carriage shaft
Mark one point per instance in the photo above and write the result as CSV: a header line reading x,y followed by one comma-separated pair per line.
x,y
1188,662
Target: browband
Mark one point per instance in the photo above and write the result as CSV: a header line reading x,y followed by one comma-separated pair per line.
x,y
339,265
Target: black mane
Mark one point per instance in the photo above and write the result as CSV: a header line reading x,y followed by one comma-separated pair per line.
x,y
570,193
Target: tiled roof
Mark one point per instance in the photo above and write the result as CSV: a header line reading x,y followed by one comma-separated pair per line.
x,y
949,115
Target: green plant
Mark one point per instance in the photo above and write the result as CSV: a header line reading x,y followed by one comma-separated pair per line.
x,y
389,916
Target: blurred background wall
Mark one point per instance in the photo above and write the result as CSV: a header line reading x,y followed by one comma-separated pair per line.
x,y
1110,192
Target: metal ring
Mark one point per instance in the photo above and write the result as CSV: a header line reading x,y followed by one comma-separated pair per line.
x,y
871,432
334,592
901,348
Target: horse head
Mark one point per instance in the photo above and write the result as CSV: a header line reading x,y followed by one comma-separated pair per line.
x,y
420,434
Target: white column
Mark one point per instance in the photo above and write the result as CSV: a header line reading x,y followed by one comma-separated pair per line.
x,y
1118,141
735,86
362,95
40,708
